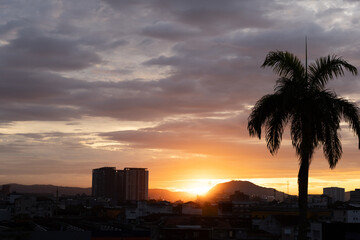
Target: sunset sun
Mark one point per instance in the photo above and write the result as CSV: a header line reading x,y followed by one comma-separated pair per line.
x,y
199,186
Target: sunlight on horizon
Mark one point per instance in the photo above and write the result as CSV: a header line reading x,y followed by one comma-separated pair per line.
x,y
202,186
286,185
196,186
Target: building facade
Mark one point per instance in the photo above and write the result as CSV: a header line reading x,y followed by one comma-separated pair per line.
x,y
336,194
104,182
136,184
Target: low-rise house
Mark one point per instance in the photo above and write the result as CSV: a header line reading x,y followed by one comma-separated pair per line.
x,y
241,209
318,201
191,208
13,196
33,206
5,214
134,211
286,227
199,227
347,214
159,207
320,214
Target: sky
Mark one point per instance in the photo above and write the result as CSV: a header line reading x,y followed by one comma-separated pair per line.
x,y
166,85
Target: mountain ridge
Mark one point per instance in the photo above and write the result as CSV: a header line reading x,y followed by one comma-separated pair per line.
x,y
156,193
222,189
228,188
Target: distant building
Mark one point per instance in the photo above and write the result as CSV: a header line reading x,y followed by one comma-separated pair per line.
x,y
191,208
355,196
336,194
130,184
6,188
4,191
104,182
318,201
32,206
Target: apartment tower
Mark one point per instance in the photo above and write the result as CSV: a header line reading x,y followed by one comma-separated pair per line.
x,y
136,184
104,182
130,184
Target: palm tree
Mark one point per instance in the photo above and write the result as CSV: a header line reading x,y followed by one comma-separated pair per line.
x,y
313,113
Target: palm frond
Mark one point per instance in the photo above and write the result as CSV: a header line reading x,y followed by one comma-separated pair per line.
x,y
350,113
296,134
325,113
285,64
274,130
327,68
332,146
328,119
262,110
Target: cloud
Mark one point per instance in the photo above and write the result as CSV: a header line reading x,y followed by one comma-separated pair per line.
x,y
212,72
33,50
219,15
25,92
170,31
37,112
34,86
211,16
217,137
102,41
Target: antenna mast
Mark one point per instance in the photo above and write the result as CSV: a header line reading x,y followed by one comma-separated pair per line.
x,y
288,187
306,65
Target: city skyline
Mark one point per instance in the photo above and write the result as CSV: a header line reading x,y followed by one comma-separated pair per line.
x,y
166,86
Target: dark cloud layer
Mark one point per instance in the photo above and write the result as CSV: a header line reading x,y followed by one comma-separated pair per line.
x,y
171,31
214,60
212,16
32,50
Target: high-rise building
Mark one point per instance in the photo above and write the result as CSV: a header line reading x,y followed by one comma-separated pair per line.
x,y
130,184
120,185
336,194
104,182
136,183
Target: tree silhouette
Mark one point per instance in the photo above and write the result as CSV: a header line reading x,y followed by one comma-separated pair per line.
x,y
313,112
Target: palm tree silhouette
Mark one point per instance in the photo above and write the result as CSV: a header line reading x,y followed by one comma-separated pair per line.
x,y
313,112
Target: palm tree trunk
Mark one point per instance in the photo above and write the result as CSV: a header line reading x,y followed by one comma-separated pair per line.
x,y
303,195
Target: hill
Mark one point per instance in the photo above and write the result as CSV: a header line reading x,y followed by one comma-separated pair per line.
x,y
48,189
223,190
51,189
